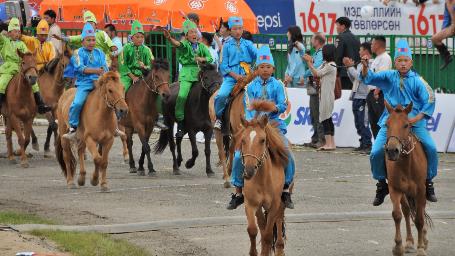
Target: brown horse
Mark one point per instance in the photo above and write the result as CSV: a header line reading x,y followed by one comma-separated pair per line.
x,y
236,111
96,130
264,157
52,86
142,101
20,108
406,164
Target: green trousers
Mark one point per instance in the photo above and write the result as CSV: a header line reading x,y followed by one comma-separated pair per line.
x,y
184,90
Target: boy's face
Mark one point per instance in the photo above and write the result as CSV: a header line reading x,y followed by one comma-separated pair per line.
x,y
15,34
192,35
224,31
42,37
138,39
403,64
237,31
49,20
363,53
89,43
265,70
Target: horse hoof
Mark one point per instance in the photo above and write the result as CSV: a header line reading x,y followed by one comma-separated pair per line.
x,y
189,164
94,182
47,154
35,146
398,251
81,181
133,170
177,172
152,173
210,174
25,164
126,160
29,155
72,186
409,249
227,184
140,173
421,252
104,189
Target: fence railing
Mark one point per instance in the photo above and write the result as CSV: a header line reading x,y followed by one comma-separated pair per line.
x,y
426,58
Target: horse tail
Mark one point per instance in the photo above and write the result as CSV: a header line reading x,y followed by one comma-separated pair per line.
x,y
162,142
60,158
413,210
226,145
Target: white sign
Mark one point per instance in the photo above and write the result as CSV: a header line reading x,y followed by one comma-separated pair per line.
x,y
395,19
300,128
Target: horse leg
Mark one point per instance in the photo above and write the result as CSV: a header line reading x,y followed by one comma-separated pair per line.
x,y
222,157
9,142
267,235
35,145
92,147
145,146
208,166
422,242
147,151
179,151
50,129
103,164
141,170
15,124
252,228
279,246
194,152
125,152
26,133
68,158
395,197
129,143
409,247
175,166
82,171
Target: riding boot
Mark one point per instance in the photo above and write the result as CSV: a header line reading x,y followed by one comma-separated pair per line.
x,y
430,192
286,198
236,201
445,55
180,129
42,108
159,123
381,192
218,124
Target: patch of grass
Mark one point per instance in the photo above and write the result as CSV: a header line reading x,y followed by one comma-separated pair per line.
x,y
14,218
90,244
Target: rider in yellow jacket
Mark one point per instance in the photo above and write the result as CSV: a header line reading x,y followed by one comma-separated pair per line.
x,y
43,48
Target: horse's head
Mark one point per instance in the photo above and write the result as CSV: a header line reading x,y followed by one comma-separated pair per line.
x,y
28,67
398,131
158,78
210,78
113,92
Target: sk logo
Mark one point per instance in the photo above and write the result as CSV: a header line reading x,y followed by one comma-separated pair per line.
x,y
231,6
196,4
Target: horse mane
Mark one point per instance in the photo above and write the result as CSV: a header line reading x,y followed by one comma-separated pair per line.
x,y
399,109
160,64
106,77
263,106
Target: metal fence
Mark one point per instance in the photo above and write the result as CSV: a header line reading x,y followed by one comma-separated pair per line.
x,y
426,57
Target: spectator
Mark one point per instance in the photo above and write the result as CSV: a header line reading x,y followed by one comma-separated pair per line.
x,y
358,97
207,39
225,34
295,69
347,45
247,35
448,30
375,98
111,31
327,74
54,29
317,140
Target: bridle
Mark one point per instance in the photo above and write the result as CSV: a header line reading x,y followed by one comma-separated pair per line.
x,y
260,160
407,146
24,71
112,105
203,85
156,87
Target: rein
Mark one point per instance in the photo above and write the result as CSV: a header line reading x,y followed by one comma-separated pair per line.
x,y
260,160
407,146
110,104
157,86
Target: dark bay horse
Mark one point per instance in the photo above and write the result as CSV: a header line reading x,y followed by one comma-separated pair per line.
x,y
264,157
197,118
406,164
96,130
142,101
19,109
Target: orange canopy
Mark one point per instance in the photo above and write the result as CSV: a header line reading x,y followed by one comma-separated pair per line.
x,y
164,12
73,10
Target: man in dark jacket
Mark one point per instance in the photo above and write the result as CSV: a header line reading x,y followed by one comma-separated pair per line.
x,y
347,45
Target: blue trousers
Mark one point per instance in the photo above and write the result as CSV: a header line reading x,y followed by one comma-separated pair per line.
x,y
237,169
363,130
82,92
377,156
223,95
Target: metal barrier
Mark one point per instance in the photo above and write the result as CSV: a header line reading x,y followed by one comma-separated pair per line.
x,y
426,58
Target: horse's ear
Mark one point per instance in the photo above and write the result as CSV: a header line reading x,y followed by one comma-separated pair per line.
x,y
243,122
388,107
408,109
19,53
263,121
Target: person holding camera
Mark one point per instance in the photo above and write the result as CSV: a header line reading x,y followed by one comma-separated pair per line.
x,y
296,67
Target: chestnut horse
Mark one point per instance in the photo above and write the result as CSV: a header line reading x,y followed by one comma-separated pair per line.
x,y
223,141
406,164
142,100
19,109
96,130
264,157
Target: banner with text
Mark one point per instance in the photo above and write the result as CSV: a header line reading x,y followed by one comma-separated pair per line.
x,y
395,19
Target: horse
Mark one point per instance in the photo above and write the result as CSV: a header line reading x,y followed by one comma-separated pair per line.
x,y
197,119
142,100
264,157
51,84
96,130
223,141
20,108
406,165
